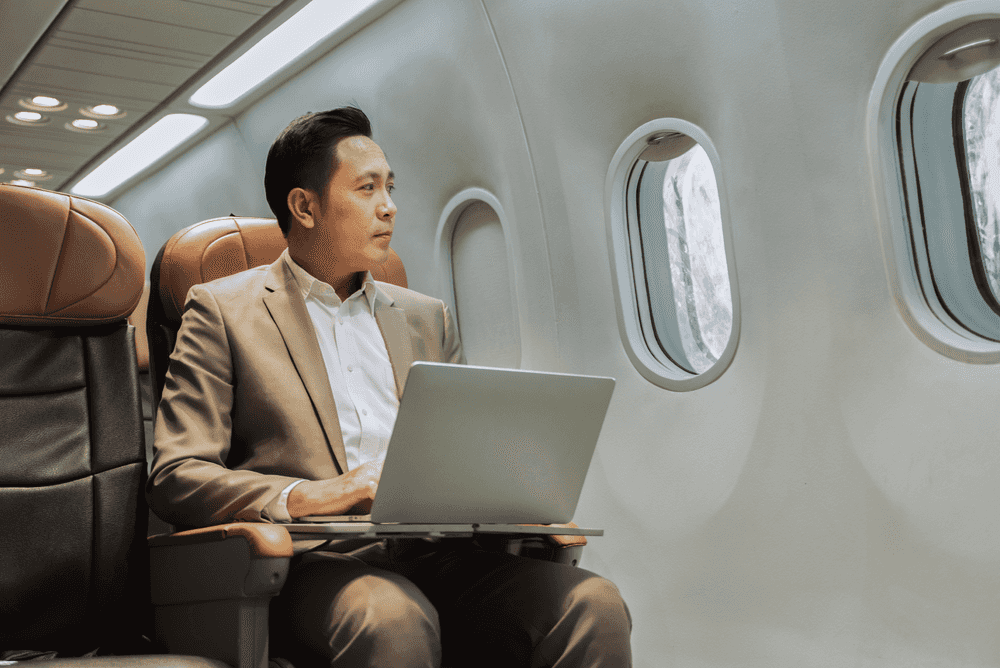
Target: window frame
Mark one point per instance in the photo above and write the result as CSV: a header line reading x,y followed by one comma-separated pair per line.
x,y
635,319
895,162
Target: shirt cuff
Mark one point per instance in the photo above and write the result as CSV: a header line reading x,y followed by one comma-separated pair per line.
x,y
277,508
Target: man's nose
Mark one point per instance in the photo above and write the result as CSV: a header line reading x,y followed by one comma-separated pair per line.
x,y
388,208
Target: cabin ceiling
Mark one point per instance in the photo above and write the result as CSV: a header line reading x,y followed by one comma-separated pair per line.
x,y
134,55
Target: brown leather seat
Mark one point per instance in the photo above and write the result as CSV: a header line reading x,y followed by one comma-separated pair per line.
x,y
74,567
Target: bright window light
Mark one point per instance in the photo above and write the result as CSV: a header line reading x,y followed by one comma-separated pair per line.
x,y
291,39
105,109
162,137
45,101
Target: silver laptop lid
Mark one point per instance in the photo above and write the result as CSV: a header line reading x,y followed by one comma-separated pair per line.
x,y
484,445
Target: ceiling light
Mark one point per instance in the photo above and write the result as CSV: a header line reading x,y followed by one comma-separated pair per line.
x,y
103,112
85,126
27,118
22,182
105,109
32,174
42,103
309,26
158,140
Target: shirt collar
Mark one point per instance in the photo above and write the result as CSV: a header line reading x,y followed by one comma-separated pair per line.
x,y
310,286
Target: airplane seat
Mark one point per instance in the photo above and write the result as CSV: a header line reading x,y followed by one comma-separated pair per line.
x,y
74,576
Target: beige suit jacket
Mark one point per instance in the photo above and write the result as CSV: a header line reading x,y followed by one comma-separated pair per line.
x,y
247,406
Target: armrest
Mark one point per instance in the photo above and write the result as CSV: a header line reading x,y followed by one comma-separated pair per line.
x,y
221,562
567,541
211,588
265,540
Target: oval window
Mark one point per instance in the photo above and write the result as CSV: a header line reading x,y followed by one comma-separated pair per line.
x,y
672,256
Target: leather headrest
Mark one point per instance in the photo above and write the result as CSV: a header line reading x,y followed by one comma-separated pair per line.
x,y
221,247
65,260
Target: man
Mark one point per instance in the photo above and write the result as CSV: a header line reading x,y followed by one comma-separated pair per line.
x,y
279,402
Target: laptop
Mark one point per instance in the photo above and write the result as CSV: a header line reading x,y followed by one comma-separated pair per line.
x,y
483,445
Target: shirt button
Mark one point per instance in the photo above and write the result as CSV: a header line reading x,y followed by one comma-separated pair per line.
x,y
350,368
364,411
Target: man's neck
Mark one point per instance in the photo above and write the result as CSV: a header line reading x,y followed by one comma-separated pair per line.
x,y
344,284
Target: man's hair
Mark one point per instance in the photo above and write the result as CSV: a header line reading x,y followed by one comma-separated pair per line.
x,y
304,155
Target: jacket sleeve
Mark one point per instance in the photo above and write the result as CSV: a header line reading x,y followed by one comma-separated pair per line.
x,y
189,483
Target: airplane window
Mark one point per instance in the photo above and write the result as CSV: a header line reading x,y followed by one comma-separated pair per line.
x,y
934,128
981,116
675,279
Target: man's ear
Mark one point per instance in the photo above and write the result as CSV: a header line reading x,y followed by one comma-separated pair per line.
x,y
302,204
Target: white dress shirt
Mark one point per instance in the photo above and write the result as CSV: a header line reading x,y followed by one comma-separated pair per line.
x,y
357,364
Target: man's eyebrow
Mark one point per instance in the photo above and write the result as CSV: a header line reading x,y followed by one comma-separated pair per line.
x,y
376,175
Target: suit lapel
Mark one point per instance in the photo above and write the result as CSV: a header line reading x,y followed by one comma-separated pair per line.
x,y
284,302
396,334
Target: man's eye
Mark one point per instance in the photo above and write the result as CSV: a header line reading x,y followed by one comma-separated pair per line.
x,y
390,187
368,186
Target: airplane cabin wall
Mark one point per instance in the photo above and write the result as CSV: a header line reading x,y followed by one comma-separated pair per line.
x,y
832,498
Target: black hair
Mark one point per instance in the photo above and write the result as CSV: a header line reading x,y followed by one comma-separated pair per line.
x,y
304,155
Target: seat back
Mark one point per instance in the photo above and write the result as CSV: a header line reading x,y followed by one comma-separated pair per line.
x,y
204,252
74,567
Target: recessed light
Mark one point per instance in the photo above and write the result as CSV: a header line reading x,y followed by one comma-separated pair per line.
x,y
32,174
103,111
27,118
22,182
42,103
85,125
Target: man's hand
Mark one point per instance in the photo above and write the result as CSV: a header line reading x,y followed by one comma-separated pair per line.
x,y
351,493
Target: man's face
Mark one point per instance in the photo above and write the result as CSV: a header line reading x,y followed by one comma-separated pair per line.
x,y
356,214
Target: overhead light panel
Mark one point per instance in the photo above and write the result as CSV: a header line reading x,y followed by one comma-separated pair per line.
x,y
22,182
84,124
45,101
309,26
158,140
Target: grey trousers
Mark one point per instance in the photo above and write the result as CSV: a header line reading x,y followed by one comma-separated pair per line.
x,y
412,603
